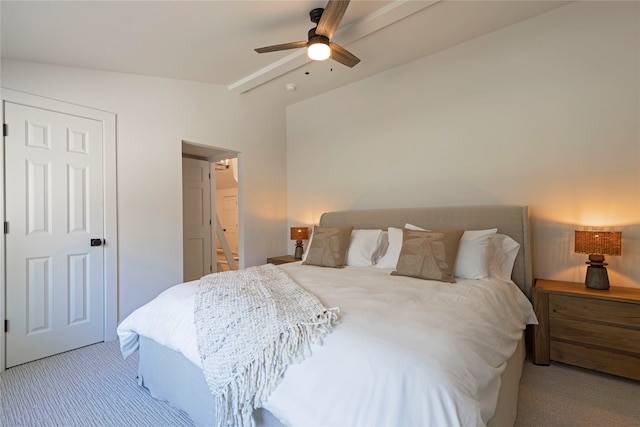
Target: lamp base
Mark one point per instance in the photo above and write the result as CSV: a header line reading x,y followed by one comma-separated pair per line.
x,y
597,277
298,253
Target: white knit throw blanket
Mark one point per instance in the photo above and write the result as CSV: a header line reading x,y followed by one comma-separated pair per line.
x,y
250,325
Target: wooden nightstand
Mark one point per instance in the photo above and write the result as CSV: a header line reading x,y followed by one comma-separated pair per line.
x,y
281,259
594,329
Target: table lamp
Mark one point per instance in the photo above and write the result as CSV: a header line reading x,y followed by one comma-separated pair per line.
x,y
299,234
598,244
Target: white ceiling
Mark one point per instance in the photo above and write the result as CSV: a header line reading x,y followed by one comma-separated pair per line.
x,y
213,41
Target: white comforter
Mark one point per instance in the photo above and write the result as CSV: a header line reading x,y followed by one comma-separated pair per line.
x,y
407,352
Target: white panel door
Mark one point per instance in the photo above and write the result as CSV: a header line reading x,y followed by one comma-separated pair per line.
x,y
196,217
54,207
230,220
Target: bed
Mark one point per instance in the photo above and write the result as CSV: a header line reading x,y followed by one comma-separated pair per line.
x,y
354,377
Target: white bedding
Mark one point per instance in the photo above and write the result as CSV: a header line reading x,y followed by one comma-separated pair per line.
x,y
406,351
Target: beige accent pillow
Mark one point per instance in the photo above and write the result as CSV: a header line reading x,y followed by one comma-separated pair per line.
x,y
428,255
329,246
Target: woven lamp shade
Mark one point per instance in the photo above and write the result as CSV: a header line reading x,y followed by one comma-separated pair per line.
x,y
299,233
598,242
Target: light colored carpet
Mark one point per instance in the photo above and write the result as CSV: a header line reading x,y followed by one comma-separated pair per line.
x,y
91,386
94,386
560,395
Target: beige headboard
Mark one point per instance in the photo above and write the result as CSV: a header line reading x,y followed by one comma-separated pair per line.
x,y
510,220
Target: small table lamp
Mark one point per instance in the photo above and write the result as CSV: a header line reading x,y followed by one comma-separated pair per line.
x,y
598,244
299,234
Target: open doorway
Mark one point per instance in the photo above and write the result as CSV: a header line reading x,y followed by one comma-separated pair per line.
x,y
210,210
226,195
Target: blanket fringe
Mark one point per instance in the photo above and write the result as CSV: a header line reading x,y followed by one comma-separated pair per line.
x,y
247,391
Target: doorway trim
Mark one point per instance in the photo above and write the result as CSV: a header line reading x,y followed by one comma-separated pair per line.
x,y
110,231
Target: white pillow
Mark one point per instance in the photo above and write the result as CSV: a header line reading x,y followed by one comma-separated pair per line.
x,y
382,247
414,227
472,260
390,258
502,256
363,247
306,250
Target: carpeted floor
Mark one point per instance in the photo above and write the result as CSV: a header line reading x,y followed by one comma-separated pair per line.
x,y
94,386
91,386
560,395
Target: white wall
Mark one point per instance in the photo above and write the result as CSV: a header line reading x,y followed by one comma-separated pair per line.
x,y
543,113
153,117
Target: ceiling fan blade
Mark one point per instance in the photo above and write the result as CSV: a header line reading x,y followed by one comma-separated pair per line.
x,y
343,56
331,17
284,46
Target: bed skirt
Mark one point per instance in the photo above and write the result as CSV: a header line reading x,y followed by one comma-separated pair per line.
x,y
171,377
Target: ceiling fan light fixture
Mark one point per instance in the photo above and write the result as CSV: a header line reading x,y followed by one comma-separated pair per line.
x,y
318,45
318,48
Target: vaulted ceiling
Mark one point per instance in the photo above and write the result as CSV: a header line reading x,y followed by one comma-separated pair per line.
x,y
213,41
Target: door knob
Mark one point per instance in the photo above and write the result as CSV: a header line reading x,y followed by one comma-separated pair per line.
x,y
97,242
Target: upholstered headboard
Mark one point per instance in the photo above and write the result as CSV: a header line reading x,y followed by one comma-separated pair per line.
x,y
510,220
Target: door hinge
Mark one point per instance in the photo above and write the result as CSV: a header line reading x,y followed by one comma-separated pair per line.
x,y
209,175
210,222
6,227
210,269
6,325
4,129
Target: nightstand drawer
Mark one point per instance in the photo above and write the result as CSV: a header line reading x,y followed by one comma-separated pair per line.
x,y
595,334
592,309
601,360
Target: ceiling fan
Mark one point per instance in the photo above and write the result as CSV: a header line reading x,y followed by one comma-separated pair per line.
x,y
319,45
